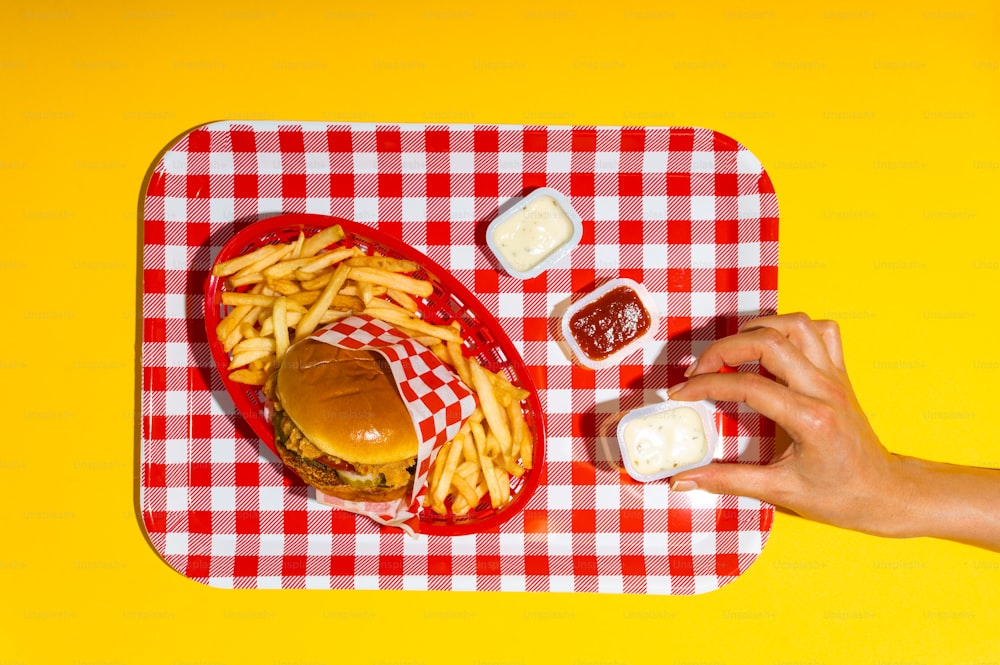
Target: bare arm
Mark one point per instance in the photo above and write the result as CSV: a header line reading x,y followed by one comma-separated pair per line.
x,y
948,501
835,469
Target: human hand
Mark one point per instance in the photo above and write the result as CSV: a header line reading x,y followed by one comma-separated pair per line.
x,y
835,469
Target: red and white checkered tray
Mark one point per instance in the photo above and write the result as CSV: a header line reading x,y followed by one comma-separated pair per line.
x,y
688,212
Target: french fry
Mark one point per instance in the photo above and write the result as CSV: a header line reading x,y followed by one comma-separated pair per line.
x,y
256,343
297,245
248,376
279,323
252,299
327,259
447,474
478,436
502,383
355,290
503,484
459,362
510,467
398,319
330,315
426,340
365,292
403,300
383,304
234,265
461,506
487,465
293,318
231,321
465,489
267,327
277,253
469,449
325,238
304,297
517,426
489,404
392,280
284,286
383,263
294,306
311,319
234,337
340,301
286,267
247,357
527,449
470,470
235,281
493,446
439,508
434,480
441,351
317,282
304,276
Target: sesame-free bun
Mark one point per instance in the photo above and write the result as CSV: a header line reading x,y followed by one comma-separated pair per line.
x,y
346,403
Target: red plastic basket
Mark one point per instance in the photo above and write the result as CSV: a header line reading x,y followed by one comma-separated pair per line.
x,y
450,302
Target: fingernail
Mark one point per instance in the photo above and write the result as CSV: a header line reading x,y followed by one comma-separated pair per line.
x,y
690,370
676,388
683,485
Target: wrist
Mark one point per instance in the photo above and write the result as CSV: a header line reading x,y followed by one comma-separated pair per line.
x,y
941,500
884,499
907,491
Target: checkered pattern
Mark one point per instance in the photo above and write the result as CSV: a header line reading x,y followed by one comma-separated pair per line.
x,y
437,401
688,212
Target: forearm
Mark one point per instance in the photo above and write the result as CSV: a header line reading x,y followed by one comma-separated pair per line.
x,y
939,500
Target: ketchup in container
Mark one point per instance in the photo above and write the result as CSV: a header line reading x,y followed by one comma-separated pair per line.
x,y
609,323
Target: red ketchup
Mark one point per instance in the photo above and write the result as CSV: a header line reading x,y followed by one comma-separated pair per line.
x,y
610,323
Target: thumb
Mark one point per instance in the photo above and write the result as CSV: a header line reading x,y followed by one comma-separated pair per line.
x,y
752,480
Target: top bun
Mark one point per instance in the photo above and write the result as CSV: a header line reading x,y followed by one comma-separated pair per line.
x,y
346,403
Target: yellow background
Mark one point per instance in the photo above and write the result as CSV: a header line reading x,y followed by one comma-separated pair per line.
x,y
879,124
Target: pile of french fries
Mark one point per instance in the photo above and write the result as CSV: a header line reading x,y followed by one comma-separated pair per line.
x,y
282,293
483,457
289,290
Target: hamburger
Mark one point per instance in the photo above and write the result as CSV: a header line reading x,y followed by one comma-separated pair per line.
x,y
340,423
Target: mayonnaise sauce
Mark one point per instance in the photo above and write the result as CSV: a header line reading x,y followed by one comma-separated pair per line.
x,y
665,440
533,232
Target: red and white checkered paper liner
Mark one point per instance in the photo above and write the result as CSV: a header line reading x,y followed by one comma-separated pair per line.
x,y
688,212
437,401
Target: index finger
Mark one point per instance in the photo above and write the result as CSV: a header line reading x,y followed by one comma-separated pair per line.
x,y
803,332
768,346
766,397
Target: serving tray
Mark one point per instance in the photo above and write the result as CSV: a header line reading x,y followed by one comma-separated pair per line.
x,y
688,212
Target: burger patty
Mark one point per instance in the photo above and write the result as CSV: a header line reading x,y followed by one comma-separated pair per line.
x,y
333,471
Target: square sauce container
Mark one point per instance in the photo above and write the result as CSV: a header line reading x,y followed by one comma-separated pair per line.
x,y
661,440
610,323
536,232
